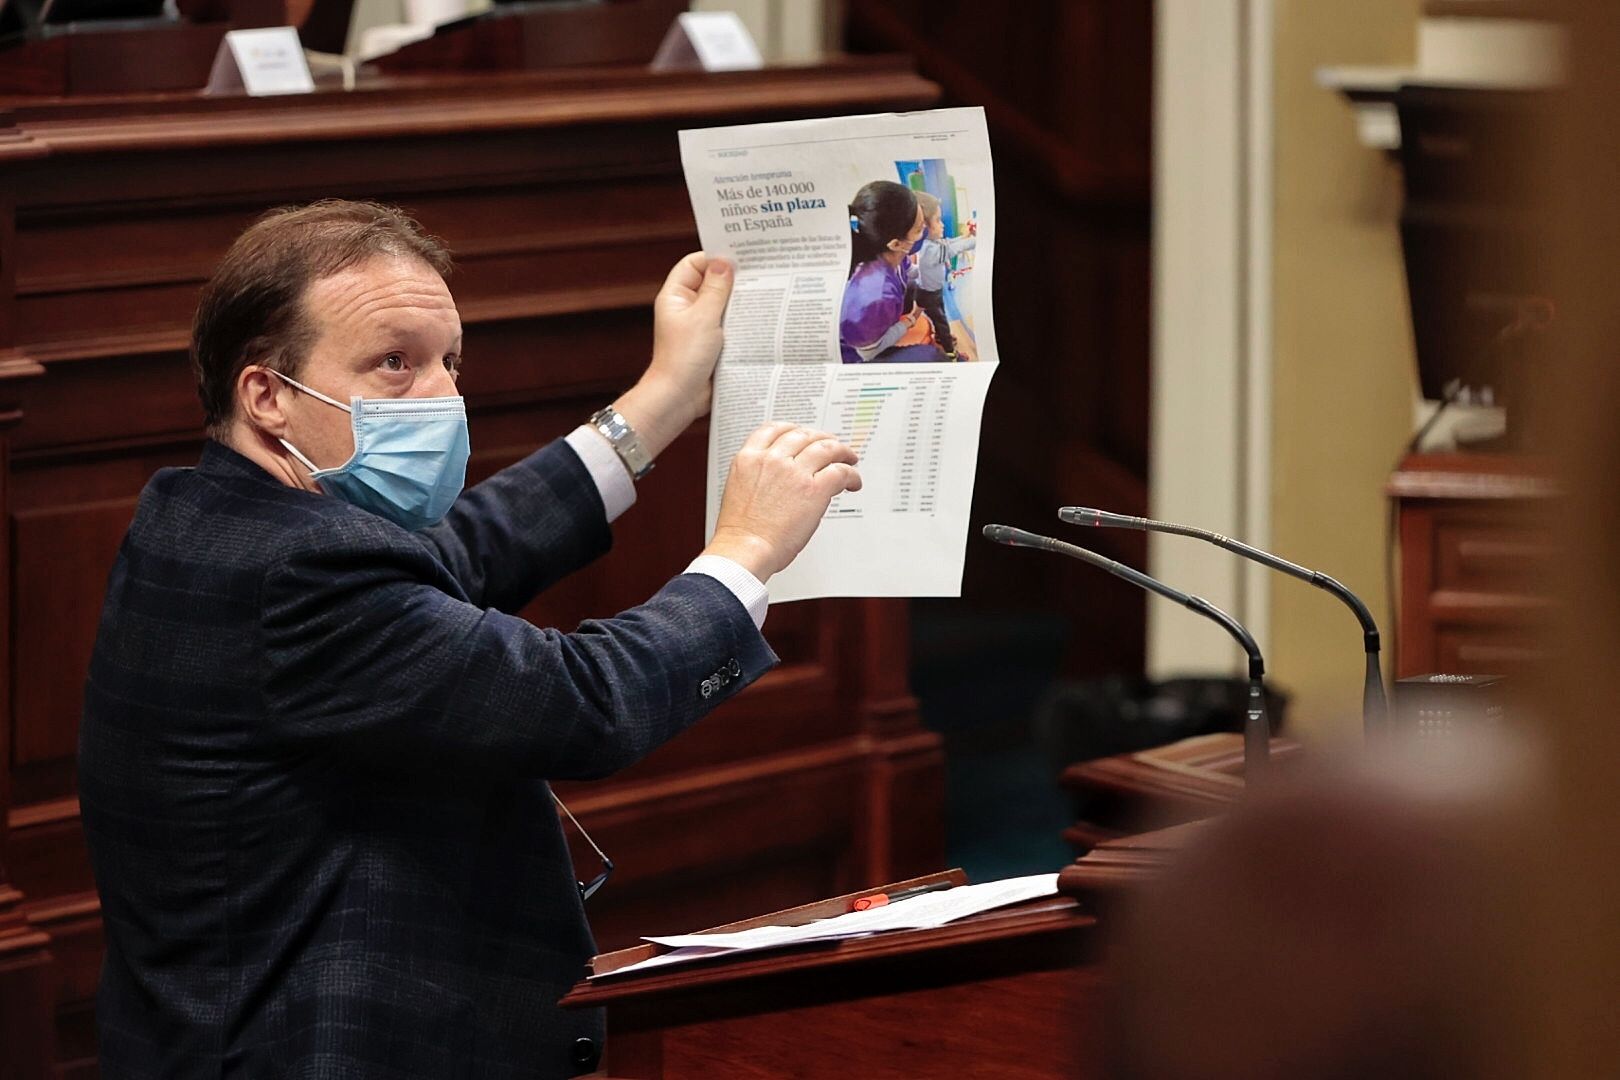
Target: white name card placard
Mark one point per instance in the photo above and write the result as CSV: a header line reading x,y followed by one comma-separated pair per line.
x,y
707,41
263,61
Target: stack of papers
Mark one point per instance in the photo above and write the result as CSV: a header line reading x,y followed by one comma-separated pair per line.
x,y
917,913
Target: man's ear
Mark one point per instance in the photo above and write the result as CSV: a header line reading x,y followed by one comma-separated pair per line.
x,y
259,400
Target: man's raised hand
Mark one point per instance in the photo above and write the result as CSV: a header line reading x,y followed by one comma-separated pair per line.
x,y
678,384
686,326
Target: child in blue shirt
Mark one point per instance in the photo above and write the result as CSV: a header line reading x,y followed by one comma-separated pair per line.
x,y
933,266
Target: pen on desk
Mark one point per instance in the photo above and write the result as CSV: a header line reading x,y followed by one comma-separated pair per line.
x,y
881,899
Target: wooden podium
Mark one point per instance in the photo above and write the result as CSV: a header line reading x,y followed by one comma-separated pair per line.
x,y
1013,994
1017,994
1128,794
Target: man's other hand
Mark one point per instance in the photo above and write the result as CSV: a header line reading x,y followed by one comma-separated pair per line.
x,y
677,386
780,484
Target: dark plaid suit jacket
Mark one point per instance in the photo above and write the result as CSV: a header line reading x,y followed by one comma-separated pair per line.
x,y
311,768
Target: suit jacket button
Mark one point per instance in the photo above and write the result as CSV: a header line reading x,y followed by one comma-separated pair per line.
x,y
585,1054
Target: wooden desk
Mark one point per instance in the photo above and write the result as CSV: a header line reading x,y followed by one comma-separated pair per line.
x,y
562,198
1017,993
1012,994
1115,866
1475,548
1127,794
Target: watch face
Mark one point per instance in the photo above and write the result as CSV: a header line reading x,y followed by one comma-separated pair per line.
x,y
612,424
622,437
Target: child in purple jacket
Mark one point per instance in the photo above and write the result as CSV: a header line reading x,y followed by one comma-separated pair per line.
x,y
886,222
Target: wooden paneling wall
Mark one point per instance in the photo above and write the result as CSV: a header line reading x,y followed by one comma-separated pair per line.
x,y
562,198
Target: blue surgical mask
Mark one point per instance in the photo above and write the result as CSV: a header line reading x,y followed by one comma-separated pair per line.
x,y
410,456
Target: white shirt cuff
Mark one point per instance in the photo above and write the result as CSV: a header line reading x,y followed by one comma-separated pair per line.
x,y
745,586
602,462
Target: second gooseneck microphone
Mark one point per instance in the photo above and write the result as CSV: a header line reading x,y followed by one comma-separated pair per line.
x,y
1374,708
1256,727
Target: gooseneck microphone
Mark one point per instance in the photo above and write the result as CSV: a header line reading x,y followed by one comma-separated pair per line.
x,y
1374,709
1256,728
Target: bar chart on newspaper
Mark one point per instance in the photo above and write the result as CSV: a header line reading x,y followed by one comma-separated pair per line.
x,y
863,248
898,427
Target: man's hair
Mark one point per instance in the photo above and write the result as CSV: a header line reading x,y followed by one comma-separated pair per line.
x,y
252,309
929,204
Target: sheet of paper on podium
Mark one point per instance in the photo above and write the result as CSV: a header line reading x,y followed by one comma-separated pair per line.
x,y
916,913
836,324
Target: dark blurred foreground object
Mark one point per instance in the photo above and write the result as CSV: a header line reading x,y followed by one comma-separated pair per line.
x,y
1574,936
1340,926
528,36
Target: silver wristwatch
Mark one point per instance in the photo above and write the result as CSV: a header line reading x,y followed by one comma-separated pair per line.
x,y
624,440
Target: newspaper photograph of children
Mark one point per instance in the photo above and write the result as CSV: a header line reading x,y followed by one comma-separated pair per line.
x,y
909,294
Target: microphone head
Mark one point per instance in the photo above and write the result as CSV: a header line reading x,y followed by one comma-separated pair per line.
x,y
1006,534
1085,515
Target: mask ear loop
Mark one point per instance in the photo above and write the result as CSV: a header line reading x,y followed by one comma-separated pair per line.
x,y
302,460
312,392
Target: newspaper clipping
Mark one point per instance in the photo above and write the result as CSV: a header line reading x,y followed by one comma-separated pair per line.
x,y
863,247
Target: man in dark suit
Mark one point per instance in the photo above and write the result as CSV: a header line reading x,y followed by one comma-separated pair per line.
x,y
316,737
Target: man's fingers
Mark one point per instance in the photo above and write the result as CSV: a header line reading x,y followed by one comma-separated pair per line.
x,y
826,451
789,443
686,276
700,281
838,477
766,434
715,287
